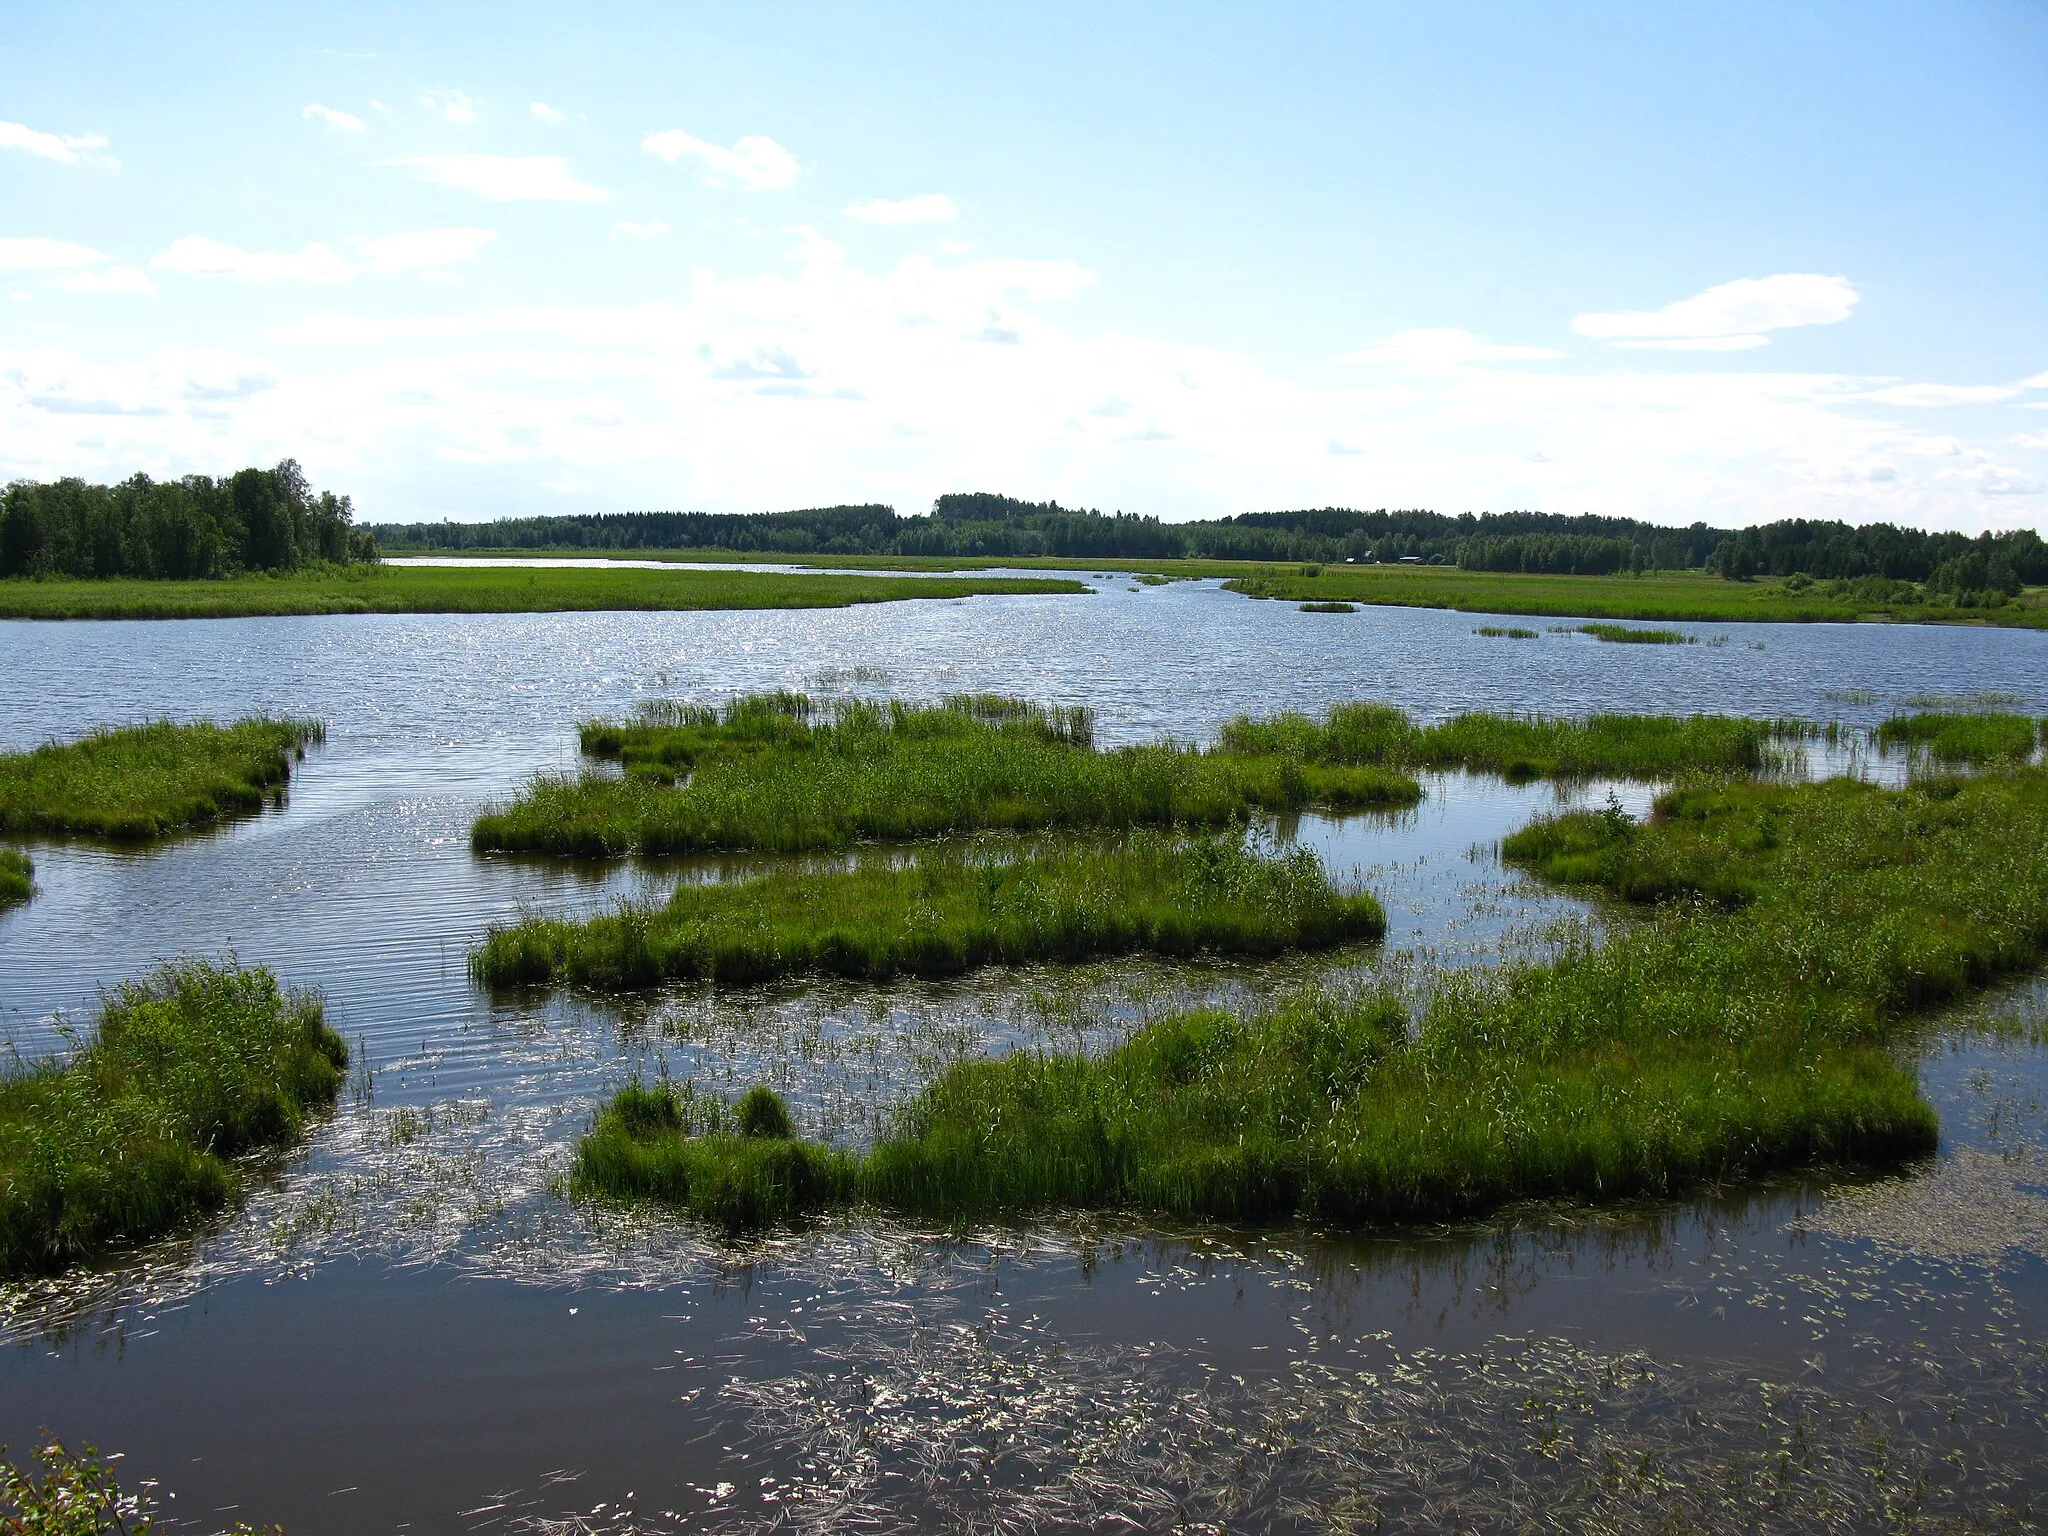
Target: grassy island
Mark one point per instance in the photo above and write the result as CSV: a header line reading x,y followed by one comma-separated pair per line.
x,y
184,1069
17,876
147,781
950,912
778,773
1753,1021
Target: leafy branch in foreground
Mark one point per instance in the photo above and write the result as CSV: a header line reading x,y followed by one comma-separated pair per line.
x,y
78,1495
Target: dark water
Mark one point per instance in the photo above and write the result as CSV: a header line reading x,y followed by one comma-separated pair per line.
x,y
404,1328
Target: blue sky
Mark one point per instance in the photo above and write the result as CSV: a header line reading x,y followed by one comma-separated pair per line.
x,y
1732,263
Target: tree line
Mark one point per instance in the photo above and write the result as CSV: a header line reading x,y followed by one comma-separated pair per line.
x,y
254,520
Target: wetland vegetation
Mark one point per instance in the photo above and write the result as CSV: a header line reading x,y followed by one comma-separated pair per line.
x,y
1954,737
1750,1023
142,782
953,910
17,876
133,1134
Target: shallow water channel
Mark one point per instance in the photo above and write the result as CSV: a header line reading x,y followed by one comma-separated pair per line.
x,y
406,1328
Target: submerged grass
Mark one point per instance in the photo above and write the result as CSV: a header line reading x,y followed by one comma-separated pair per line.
x,y
16,876
144,781
777,773
185,1068
1962,738
1719,1039
951,912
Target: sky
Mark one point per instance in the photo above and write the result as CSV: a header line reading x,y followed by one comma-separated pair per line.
x,y
1730,263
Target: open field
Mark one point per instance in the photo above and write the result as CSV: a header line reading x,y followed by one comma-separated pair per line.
x,y
1725,1037
184,1070
456,589
765,776
950,912
145,781
1683,595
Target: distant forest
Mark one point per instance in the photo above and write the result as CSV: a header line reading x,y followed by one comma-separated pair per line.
x,y
256,520
982,524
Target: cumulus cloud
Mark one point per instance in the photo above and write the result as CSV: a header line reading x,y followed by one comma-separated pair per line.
x,y
1445,348
344,122
649,229
506,178
1729,317
452,105
924,208
546,113
420,250
27,253
66,149
753,164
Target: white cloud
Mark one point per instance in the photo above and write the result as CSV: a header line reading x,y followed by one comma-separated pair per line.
x,y
546,113
1728,317
108,280
647,230
345,122
85,149
415,251
1930,395
2038,381
27,253
753,163
506,178
1444,348
452,105
924,208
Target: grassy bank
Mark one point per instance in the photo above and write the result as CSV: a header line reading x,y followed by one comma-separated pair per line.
x,y
17,876
461,589
144,781
950,912
1719,1039
1516,746
775,773
184,1070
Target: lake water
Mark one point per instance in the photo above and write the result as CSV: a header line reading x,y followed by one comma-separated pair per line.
x,y
405,1328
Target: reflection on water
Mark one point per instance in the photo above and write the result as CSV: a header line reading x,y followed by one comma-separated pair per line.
x,y
405,1326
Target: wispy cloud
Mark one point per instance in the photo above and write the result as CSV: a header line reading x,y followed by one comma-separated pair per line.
x,y
452,105
650,229
754,163
422,251
546,113
1942,394
116,279
345,122
1730,317
27,253
924,208
66,149
1445,347
506,178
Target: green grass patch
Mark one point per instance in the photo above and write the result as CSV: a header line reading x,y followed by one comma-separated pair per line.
x,y
184,1069
1506,632
1716,1040
1962,738
501,589
1623,634
1515,746
953,910
17,876
1329,607
144,781
780,774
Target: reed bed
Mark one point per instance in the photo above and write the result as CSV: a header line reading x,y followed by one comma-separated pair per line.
x,y
1623,634
143,782
1514,746
1962,738
1506,632
954,910
1329,607
17,876
776,773
1719,1039
185,1068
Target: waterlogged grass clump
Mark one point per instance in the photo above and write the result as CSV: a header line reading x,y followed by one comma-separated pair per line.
x,y
1506,632
1329,607
183,1070
1624,634
952,911
779,773
17,876
1962,738
1749,1023
144,781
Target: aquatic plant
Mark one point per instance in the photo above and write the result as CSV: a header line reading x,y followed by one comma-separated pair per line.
x,y
185,1068
777,772
16,876
144,781
77,1494
1622,634
1506,632
953,910
1329,607
1961,738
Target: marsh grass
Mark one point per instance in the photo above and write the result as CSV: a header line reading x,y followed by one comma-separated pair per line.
x,y
1718,1039
1962,738
1514,746
185,1069
781,773
17,876
142,782
1506,632
1623,634
952,911
1329,607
